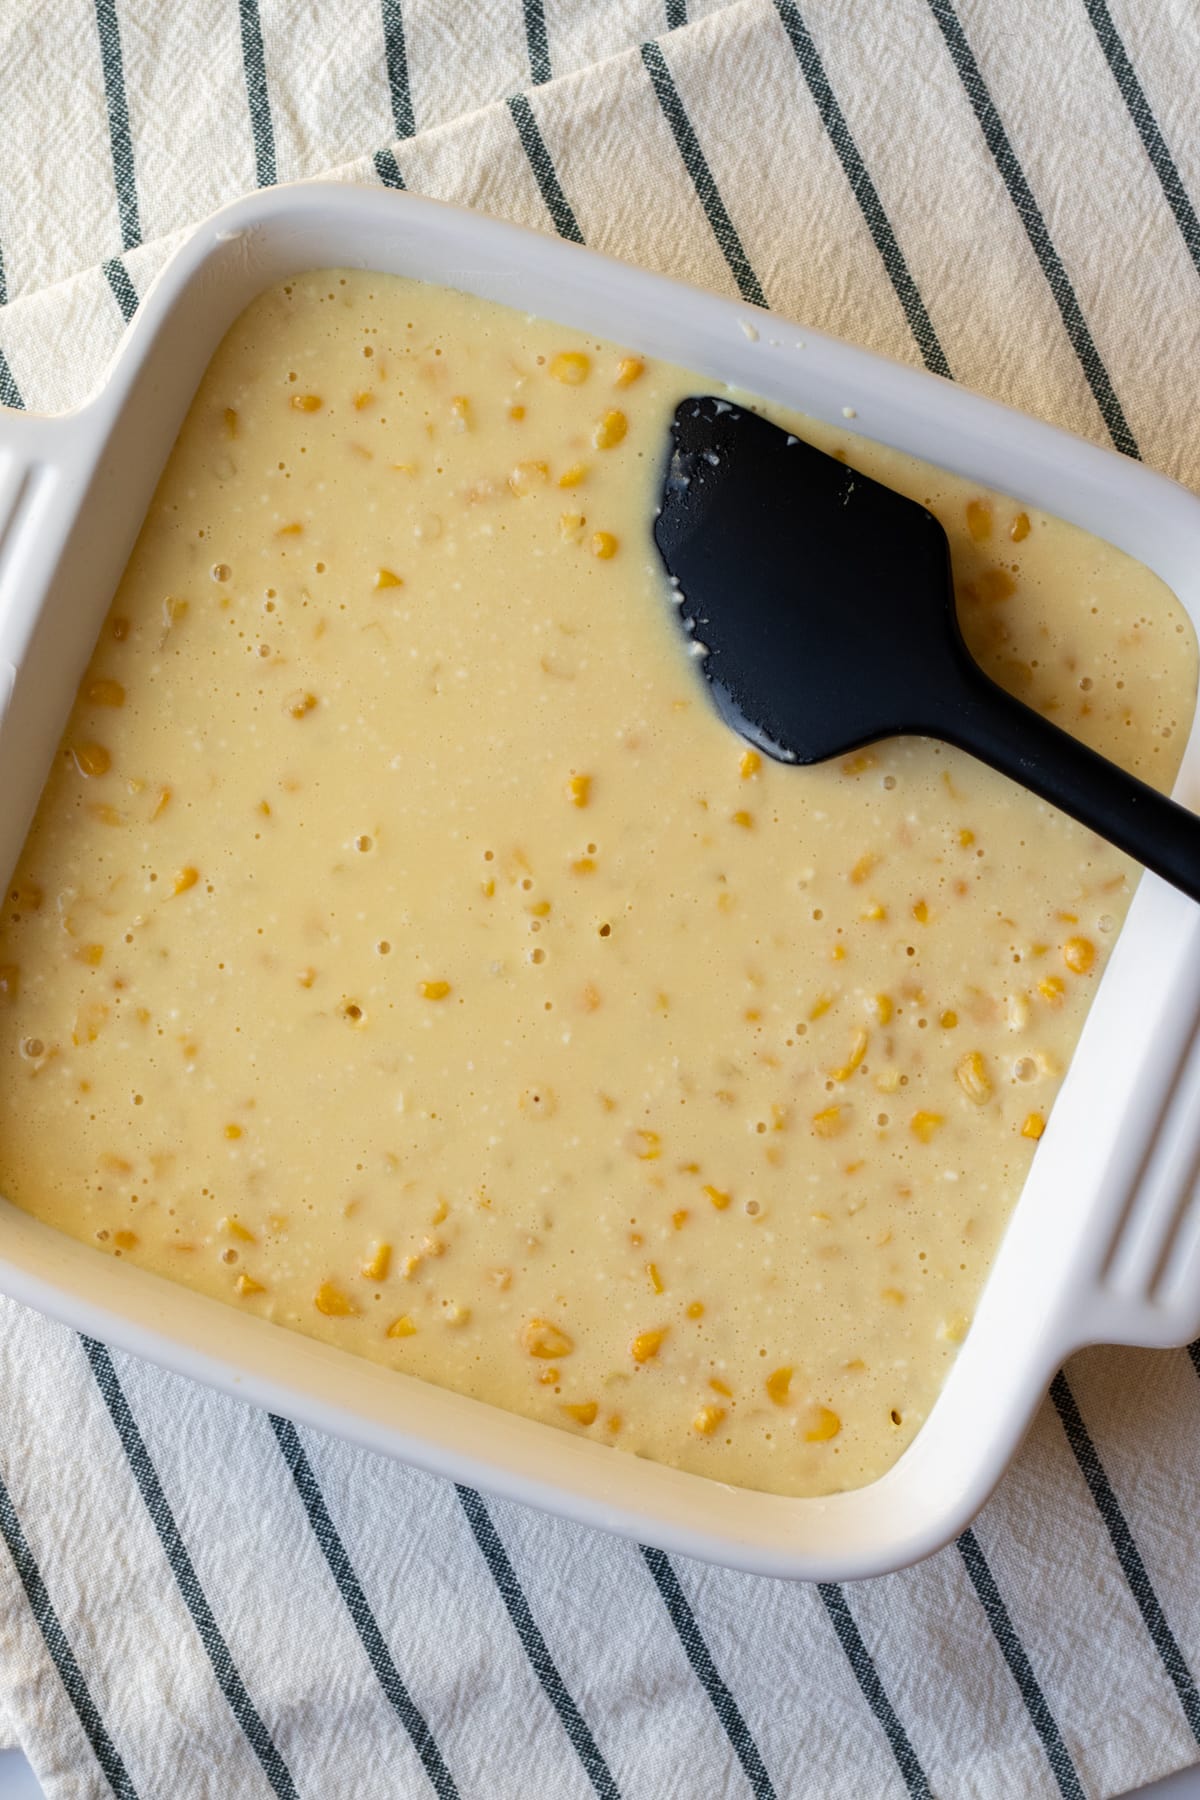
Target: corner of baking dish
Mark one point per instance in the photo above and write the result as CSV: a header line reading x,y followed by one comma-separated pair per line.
x,y
1104,1244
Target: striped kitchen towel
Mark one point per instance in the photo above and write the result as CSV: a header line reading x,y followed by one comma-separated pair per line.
x,y
203,1603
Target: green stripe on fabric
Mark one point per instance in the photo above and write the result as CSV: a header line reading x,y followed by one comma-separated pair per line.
x,y
1020,1668
694,162
359,1608
396,54
728,1712
499,1565
10,393
123,290
557,204
120,142
1125,1548
179,1561
1029,213
833,1598
61,1654
862,187
1153,141
388,169
537,42
254,64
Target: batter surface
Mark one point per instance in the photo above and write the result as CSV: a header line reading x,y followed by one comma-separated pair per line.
x,y
406,952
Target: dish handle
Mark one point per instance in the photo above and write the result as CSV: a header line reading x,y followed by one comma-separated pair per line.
x,y
44,466
1145,1288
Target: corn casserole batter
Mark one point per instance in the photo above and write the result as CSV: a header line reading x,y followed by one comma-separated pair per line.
x,y
406,952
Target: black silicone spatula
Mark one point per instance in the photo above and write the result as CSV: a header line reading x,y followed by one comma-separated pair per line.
x,y
822,608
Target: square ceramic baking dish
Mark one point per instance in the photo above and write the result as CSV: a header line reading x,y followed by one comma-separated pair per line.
x,y
1104,1245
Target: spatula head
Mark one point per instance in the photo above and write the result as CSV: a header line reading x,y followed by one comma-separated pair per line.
x,y
819,602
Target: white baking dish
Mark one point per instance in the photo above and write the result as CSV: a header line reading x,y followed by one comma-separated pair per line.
x,y
1104,1245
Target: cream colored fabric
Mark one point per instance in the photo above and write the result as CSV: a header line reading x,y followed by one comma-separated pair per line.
x,y
197,1602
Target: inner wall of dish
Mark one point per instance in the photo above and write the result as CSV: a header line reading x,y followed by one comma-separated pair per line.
x,y
406,952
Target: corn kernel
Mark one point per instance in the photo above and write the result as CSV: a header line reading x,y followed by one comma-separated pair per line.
x,y
572,475
460,412
655,1279
646,1345
363,399
1052,988
679,1219
820,1008
610,429
979,521
230,422
386,578
948,1020
246,1285
954,1328
1018,531
858,1049
705,1422
88,1023
826,1426
882,1007
604,545
749,764
571,367
91,954
125,1240
628,370
186,878
720,1387
571,526
966,837
434,990
719,1198
527,476
402,1327
162,802
331,1301
236,1229
695,1309
583,1412
779,1384
516,412
1034,1126
378,1263
996,584
863,867
579,789
1079,953
233,1132
299,705
920,912
104,692
308,403
742,818
829,1122
926,1124
91,759
545,1341
647,1146
583,865
973,1078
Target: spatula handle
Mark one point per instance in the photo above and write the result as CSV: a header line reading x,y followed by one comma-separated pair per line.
x,y
982,718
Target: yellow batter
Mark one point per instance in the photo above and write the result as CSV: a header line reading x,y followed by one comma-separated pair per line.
x,y
406,952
